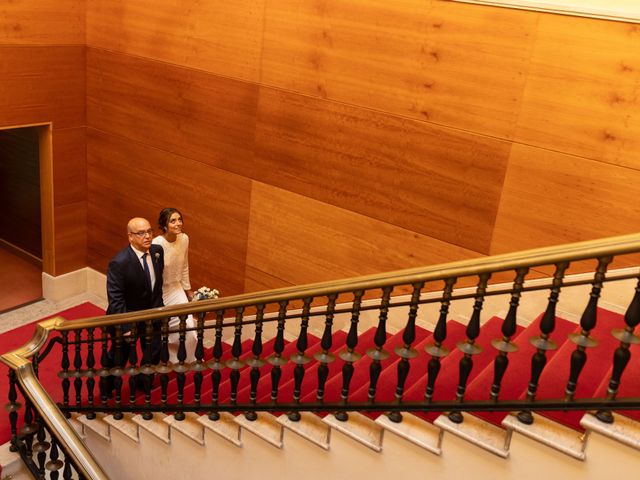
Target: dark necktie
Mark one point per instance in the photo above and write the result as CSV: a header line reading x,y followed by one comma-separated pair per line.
x,y
147,273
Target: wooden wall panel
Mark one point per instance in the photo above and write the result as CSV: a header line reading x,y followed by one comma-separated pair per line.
x,y
551,198
448,63
42,84
59,22
582,94
436,181
129,179
295,240
69,165
70,237
222,37
184,111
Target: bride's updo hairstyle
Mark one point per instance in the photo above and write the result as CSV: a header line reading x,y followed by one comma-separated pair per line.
x,y
165,215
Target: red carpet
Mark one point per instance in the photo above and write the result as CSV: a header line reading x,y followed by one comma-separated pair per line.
x,y
16,338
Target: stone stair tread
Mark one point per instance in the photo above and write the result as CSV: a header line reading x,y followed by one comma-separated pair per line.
x,y
225,426
126,426
623,429
97,425
416,431
360,428
478,432
155,426
310,427
266,427
561,438
190,427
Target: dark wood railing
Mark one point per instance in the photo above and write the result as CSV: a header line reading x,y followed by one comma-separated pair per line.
x,y
261,356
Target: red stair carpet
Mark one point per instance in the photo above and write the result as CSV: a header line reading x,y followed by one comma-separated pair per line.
x,y
48,370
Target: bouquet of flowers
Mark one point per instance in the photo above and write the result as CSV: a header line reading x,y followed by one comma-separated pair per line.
x,y
205,293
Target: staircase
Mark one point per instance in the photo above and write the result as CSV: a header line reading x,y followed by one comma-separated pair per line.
x,y
397,336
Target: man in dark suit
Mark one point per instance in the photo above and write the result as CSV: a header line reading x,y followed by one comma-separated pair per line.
x,y
134,282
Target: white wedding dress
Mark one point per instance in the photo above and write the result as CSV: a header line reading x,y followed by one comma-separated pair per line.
x,y
175,280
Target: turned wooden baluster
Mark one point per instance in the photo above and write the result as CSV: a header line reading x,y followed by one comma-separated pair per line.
x,y
325,357
543,342
299,358
587,323
181,368
12,407
377,353
64,374
277,360
117,369
436,349
235,364
104,370
164,367
350,355
622,355
216,365
132,370
504,345
256,362
54,464
77,365
147,369
67,471
406,352
469,347
28,427
41,446
91,372
199,366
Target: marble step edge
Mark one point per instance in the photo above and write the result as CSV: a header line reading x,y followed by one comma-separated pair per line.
x,y
189,427
11,463
623,429
479,432
266,427
226,427
156,426
552,434
416,431
125,425
310,427
360,428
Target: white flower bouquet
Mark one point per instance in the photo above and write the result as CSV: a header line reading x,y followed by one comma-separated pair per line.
x,y
205,293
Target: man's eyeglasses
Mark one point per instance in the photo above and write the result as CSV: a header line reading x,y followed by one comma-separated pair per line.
x,y
143,233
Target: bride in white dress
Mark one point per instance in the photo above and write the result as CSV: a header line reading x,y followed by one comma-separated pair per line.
x,y
176,287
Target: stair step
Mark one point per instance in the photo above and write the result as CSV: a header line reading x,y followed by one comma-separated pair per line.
x,y
97,425
126,426
478,432
225,426
310,427
623,429
559,437
415,430
266,426
155,426
190,427
360,428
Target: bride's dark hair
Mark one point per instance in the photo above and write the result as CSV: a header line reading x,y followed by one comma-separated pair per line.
x,y
165,215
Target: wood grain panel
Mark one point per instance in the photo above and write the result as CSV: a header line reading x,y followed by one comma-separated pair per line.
x,y
69,166
128,179
582,94
436,181
180,110
70,237
42,22
448,63
551,198
295,240
222,37
42,84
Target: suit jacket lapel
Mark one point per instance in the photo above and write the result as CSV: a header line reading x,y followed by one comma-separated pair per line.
x,y
138,268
